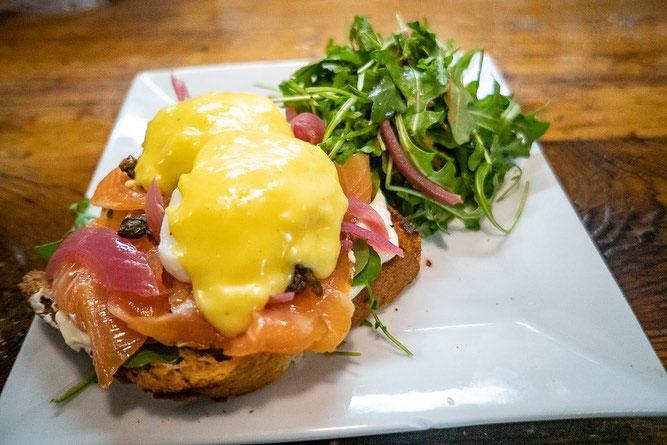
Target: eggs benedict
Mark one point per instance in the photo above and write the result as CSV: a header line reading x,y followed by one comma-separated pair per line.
x,y
228,242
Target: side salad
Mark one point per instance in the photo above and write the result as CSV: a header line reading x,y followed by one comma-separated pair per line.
x,y
438,151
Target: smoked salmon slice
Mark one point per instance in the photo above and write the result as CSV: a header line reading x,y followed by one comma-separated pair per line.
x,y
307,322
355,177
79,294
180,324
111,193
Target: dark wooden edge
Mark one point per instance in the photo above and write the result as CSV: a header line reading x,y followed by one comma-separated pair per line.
x,y
640,430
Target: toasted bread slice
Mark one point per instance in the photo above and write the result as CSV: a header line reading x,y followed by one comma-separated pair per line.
x,y
207,374
396,274
213,375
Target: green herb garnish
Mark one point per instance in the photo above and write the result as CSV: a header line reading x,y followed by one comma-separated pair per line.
x,y
370,270
345,353
366,277
81,219
146,356
86,380
361,253
152,354
46,250
460,142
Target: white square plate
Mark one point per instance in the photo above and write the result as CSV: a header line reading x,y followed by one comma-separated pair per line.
x,y
526,327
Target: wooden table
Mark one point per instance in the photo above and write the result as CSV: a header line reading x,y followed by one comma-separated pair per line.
x,y
599,69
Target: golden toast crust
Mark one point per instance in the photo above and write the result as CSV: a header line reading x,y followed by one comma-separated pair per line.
x,y
396,274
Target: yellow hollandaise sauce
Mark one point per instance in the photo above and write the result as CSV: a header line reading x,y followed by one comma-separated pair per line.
x,y
253,206
177,133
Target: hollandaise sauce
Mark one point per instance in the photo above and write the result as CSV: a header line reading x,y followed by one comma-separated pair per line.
x,y
253,202
177,133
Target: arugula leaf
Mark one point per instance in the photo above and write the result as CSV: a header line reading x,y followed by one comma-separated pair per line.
x,y
363,36
152,354
460,119
418,87
345,353
374,303
366,277
424,160
147,355
459,99
81,219
424,43
422,121
361,254
343,53
476,156
338,117
370,271
485,203
81,215
46,250
386,100
86,380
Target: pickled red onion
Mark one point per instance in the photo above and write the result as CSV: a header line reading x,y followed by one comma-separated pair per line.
x,y
410,173
154,209
308,127
373,239
364,213
115,262
283,297
180,88
290,113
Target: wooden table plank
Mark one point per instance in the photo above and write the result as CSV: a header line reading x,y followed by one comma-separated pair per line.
x,y
598,67
584,431
619,189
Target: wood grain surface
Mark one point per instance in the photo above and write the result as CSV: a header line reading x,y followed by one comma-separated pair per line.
x,y
598,70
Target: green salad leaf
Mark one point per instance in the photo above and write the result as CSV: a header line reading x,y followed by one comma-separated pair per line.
x,y
370,270
147,355
150,354
361,253
418,83
46,250
86,380
81,216
364,276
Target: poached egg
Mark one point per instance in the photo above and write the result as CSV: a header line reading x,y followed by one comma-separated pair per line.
x,y
178,132
248,203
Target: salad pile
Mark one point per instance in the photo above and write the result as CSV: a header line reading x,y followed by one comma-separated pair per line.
x,y
438,151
